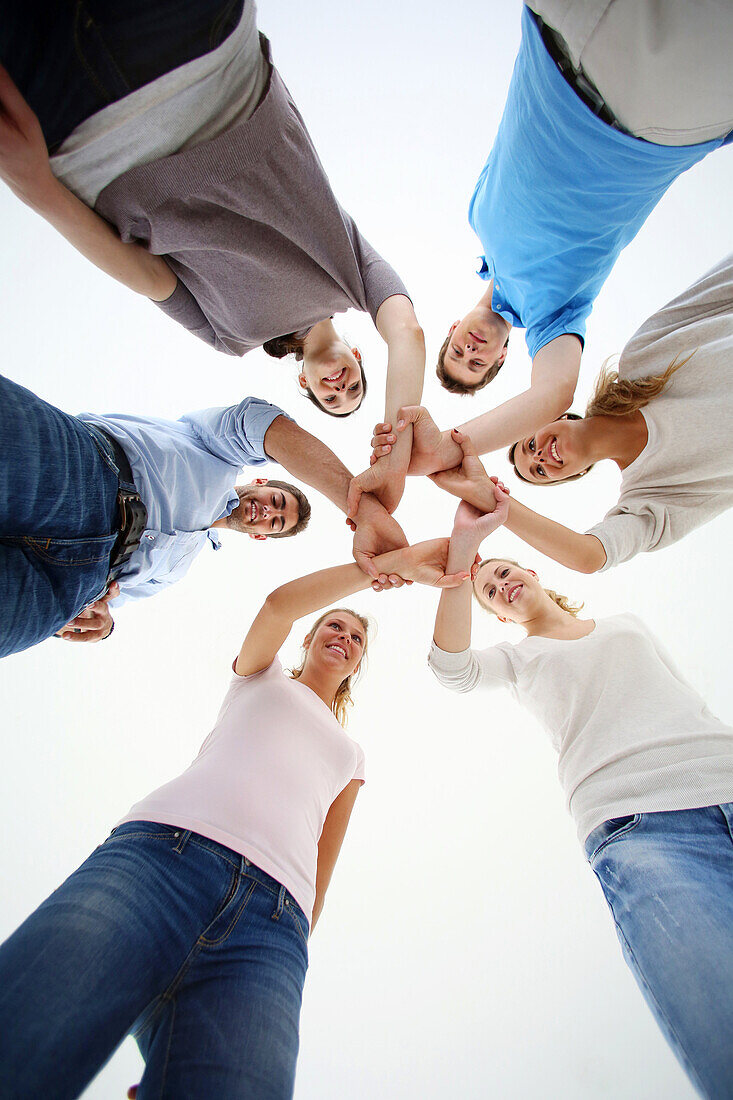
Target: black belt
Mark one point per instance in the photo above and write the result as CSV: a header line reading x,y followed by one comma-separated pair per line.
x,y
133,513
584,88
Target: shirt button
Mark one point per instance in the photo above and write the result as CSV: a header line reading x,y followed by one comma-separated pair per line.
x,y
151,538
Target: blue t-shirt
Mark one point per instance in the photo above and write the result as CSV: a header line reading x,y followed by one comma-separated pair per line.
x,y
559,197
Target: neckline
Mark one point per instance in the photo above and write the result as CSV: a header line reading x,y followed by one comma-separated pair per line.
x,y
582,638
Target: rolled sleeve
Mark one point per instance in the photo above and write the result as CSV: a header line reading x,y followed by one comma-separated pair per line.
x,y
456,671
236,434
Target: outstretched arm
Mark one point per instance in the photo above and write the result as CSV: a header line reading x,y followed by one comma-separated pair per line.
x,y
25,167
555,371
470,528
424,563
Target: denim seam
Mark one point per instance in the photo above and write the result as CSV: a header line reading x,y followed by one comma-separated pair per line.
x,y
205,942
34,547
101,448
295,920
615,836
166,1060
220,855
689,1067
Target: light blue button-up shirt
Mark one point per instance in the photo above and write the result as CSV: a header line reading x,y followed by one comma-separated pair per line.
x,y
185,471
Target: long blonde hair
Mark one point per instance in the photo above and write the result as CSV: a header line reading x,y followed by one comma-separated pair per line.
x,y
342,699
562,601
614,396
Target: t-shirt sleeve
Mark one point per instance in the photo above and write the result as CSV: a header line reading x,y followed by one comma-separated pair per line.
x,y
359,770
236,434
487,668
624,534
273,669
380,280
182,307
570,322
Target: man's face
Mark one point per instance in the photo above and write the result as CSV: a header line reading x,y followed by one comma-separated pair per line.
x,y
263,510
473,347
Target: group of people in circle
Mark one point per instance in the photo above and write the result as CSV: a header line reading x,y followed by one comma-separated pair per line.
x,y
159,139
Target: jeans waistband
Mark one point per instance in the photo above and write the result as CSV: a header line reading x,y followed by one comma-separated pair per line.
x,y
180,838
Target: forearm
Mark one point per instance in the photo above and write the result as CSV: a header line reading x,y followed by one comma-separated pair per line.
x,y
130,264
405,377
517,418
307,459
581,552
453,619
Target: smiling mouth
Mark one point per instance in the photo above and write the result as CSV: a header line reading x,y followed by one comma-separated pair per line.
x,y
252,511
554,452
514,592
339,649
335,377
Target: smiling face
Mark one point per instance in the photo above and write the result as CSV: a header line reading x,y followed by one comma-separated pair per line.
x,y
554,453
263,510
334,378
475,346
336,644
512,593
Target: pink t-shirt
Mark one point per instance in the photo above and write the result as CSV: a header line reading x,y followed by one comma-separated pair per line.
x,y
264,779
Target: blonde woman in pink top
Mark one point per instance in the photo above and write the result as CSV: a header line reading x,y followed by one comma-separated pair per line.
x,y
189,926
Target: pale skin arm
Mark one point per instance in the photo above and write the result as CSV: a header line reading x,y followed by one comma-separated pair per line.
x,y
25,168
329,845
424,562
398,326
471,526
581,552
311,461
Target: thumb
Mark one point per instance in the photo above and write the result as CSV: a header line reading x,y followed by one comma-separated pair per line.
x,y
365,560
465,442
352,499
408,414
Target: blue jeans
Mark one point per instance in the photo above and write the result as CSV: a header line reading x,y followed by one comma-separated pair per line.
x,y
58,517
71,58
668,879
169,935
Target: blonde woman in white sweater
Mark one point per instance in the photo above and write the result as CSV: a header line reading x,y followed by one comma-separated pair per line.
x,y
647,772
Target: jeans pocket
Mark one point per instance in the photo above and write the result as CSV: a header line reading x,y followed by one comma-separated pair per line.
x,y
299,919
607,832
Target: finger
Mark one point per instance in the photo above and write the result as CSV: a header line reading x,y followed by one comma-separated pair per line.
x,y
372,459
452,580
395,581
382,450
112,593
380,429
352,500
350,524
383,438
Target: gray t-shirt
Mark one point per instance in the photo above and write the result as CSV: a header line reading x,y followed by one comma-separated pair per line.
x,y
684,476
631,734
252,229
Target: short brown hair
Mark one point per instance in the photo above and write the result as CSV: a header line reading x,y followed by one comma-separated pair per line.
x,y
304,509
452,385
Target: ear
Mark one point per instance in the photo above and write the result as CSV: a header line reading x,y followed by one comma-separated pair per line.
x,y
502,356
307,640
259,538
453,327
259,481
357,354
501,620
303,381
533,574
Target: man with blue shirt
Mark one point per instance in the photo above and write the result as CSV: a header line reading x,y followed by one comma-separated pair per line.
x,y
96,510
608,104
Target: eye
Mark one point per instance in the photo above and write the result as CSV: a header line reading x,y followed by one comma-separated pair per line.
x,y
334,625
531,445
504,573
329,400
357,638
456,351
355,388
491,592
541,472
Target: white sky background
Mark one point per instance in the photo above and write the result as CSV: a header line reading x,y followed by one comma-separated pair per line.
x,y
465,948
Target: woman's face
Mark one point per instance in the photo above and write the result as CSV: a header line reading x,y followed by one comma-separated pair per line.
x,y
334,378
338,643
553,453
508,590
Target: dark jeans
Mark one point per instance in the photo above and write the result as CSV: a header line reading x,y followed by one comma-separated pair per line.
x,y
71,58
58,517
174,937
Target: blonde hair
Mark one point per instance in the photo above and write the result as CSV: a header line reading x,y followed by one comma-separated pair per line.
x,y
562,601
342,699
614,396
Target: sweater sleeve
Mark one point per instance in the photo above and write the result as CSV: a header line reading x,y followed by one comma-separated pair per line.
x,y
623,534
487,668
